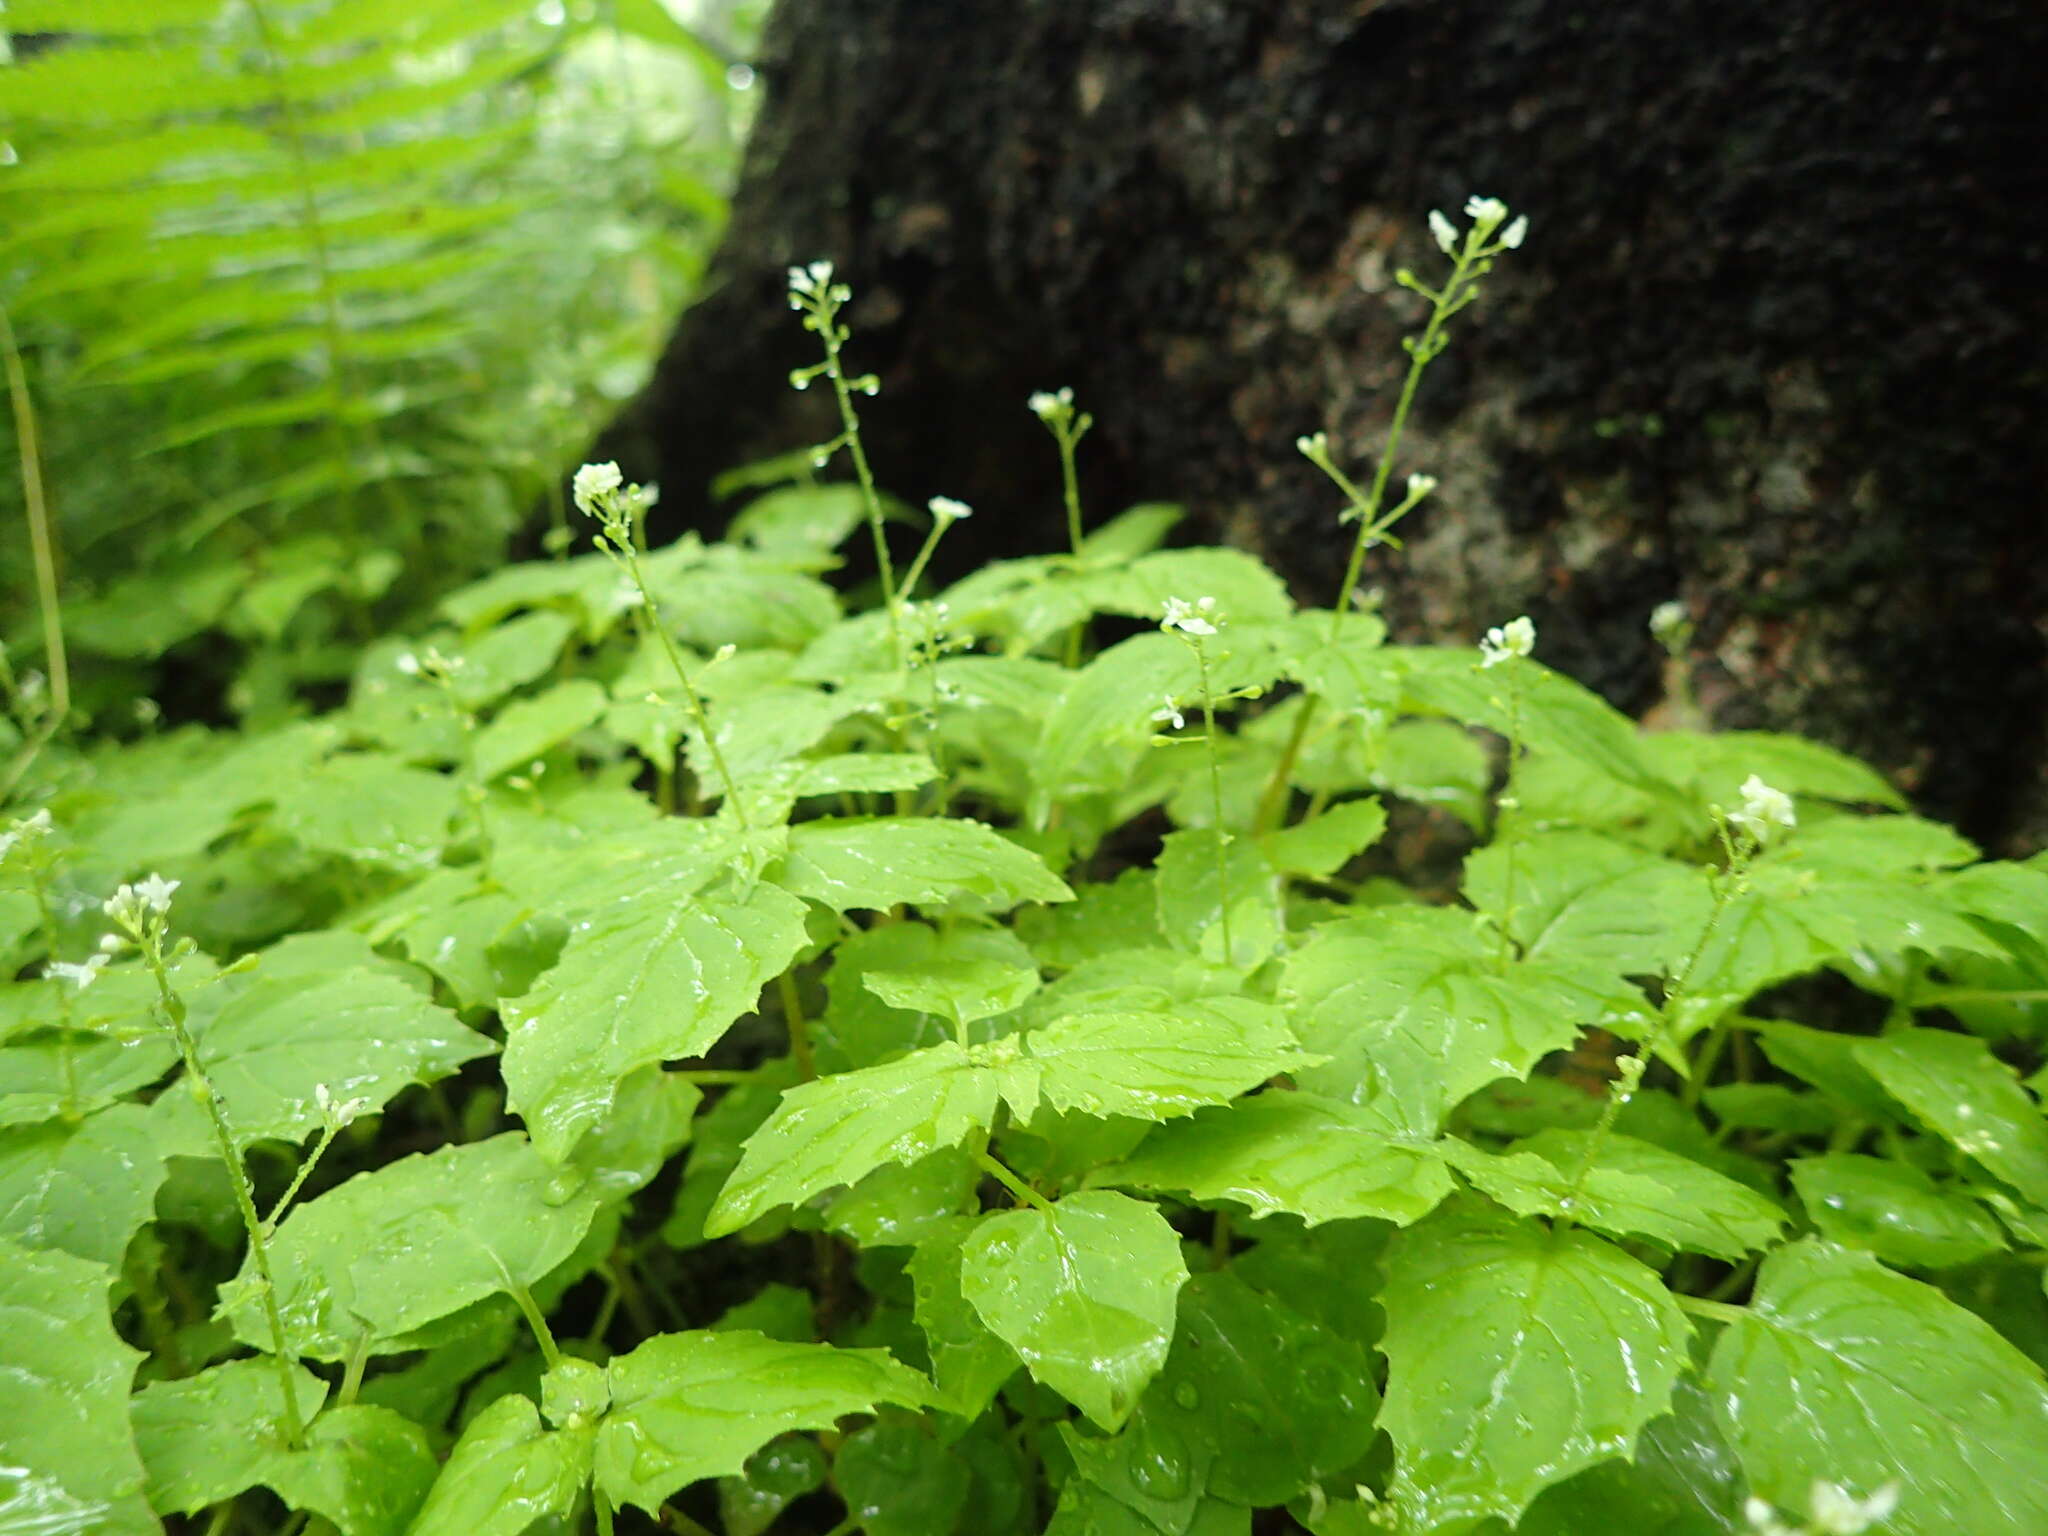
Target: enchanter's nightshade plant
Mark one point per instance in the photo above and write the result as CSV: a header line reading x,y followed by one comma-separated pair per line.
x,y
669,1042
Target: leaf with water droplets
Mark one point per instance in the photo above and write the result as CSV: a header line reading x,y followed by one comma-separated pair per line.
x,y
1578,896
1841,1369
1152,1065
1276,1399
1894,1210
1414,1004
365,1468
645,982
968,1362
83,1187
371,808
528,728
875,863
506,1473
1955,1085
1321,1159
687,1406
1517,1355
1084,1292
67,1454
392,1250
1683,1482
208,1437
1632,1189
901,1481
836,1129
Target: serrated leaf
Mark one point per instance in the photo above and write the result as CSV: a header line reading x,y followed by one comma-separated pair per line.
x,y
208,1437
960,974
875,863
1084,1292
509,656
687,1406
900,1481
1415,1005
1324,844
1953,1084
1893,1210
648,1124
836,1129
371,808
68,1462
360,1033
1683,1482
416,1240
507,1472
365,1468
1713,766
1152,1065
529,728
1204,877
1516,1356
902,1205
643,982
1279,1401
83,1188
969,1362
1580,897
1632,1189
1841,1370
1318,1158
59,1071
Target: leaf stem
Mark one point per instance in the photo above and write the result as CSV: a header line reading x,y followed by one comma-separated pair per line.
x,y
522,1298
994,1167
1718,1311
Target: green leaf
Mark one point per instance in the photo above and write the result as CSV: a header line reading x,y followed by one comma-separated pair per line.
x,y
1893,1210
901,1205
1414,1004
371,808
509,656
1278,1400
1683,1482
361,1033
1152,1065
364,1468
1324,844
1842,1370
1198,881
969,1362
1953,1084
63,1071
1713,767
81,1187
687,1406
1318,1158
1632,1189
418,1239
1516,1357
209,1437
899,1481
648,1124
68,1462
528,728
1580,897
836,1129
507,1472
874,863
961,974
1084,1292
649,980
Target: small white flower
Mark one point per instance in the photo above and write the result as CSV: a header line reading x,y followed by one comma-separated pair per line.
x,y
80,976
947,510
1315,445
1517,637
1420,486
155,892
1050,405
1837,1512
592,484
811,282
408,663
1486,212
1512,236
1446,233
1668,622
28,829
1765,810
1190,618
337,1115
1168,715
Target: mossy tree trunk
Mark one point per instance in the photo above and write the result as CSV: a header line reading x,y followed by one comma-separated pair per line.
x,y
1774,346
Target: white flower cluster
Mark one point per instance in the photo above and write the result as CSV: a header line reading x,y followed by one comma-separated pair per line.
x,y
1670,624
1831,1511
1169,714
26,830
811,287
140,909
1517,637
592,484
947,510
336,1114
1198,618
1420,486
1486,214
1765,811
601,491
1052,405
1313,445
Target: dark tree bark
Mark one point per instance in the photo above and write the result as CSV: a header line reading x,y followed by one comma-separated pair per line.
x,y
1773,347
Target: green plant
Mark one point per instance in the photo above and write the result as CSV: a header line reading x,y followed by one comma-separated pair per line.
x,y
995,1107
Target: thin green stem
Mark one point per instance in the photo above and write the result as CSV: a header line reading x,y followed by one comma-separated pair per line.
x,y
834,336
291,1192
172,1009
1215,800
522,1298
42,553
624,552
1508,802
799,1030
994,1167
352,1373
1719,1311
